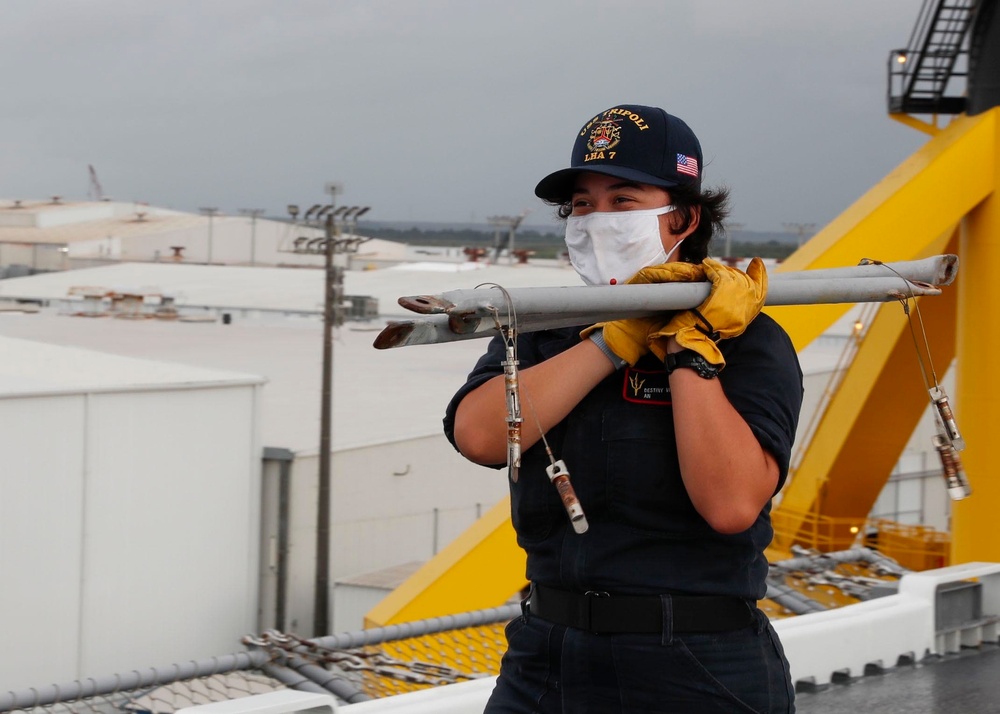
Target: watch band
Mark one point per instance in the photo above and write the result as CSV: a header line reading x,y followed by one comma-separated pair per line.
x,y
689,359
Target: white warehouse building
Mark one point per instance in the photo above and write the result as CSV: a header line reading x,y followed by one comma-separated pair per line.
x,y
61,234
129,507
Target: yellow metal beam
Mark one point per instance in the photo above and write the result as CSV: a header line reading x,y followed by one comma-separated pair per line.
x,y
977,401
873,414
869,420
922,199
895,397
920,125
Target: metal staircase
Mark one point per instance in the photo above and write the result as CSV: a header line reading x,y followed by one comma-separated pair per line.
x,y
920,76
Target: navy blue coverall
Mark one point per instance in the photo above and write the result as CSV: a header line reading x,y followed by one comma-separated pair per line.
x,y
645,538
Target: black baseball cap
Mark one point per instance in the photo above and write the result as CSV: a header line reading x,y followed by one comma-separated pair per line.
x,y
633,142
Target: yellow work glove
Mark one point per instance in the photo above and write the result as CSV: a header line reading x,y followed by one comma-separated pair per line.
x,y
629,339
669,273
735,299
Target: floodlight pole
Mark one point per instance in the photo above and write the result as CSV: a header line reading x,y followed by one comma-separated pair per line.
x,y
322,603
321,607
253,213
730,229
210,212
333,288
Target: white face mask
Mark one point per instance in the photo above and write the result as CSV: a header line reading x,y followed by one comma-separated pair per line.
x,y
608,248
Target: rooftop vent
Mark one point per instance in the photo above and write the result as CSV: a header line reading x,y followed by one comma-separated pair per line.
x,y
523,255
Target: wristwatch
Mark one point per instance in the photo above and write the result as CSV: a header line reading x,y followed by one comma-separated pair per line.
x,y
692,360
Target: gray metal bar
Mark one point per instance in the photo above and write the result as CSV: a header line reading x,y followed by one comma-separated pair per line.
x,y
938,270
284,457
793,599
376,635
154,676
319,679
329,681
635,300
292,679
818,563
473,313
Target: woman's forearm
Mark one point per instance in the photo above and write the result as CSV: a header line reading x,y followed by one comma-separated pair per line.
x,y
548,391
728,475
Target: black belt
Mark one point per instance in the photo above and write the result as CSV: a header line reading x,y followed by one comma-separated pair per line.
x,y
601,613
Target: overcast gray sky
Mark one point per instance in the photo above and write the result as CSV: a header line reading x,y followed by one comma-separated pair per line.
x,y
440,110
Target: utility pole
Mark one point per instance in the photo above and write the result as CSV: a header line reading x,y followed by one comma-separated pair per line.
x,y
331,245
210,212
253,213
802,230
321,614
730,229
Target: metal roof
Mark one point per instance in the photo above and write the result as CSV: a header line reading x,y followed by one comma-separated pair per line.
x,y
73,222
31,368
379,395
293,289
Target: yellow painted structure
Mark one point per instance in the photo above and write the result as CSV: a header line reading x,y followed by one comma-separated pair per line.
x,y
481,568
902,217
941,199
978,346
865,427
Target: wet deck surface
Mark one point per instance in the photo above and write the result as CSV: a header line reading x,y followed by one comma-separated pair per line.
x,y
965,683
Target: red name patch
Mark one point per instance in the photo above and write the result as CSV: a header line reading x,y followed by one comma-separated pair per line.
x,y
646,387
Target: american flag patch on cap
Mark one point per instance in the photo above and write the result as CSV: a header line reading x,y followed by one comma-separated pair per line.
x,y
687,165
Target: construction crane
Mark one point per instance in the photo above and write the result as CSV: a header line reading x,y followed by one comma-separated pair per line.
x,y
95,192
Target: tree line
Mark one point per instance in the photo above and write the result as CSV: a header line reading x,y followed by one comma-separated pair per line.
x,y
548,244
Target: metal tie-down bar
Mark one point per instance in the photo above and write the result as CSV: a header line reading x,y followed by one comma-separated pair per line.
x,y
466,314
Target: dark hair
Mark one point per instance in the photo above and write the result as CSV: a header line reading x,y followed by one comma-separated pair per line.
x,y
714,205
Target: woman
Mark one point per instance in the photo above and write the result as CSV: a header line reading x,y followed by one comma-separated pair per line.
x,y
677,432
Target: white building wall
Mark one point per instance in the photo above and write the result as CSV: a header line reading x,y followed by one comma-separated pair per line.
x,y
171,536
129,519
351,603
108,248
17,254
390,503
42,445
272,244
65,215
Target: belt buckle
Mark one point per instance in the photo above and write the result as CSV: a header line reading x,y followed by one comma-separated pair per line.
x,y
597,595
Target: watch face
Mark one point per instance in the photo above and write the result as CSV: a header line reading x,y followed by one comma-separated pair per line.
x,y
692,360
704,368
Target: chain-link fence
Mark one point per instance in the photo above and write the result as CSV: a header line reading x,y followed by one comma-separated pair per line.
x,y
354,667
